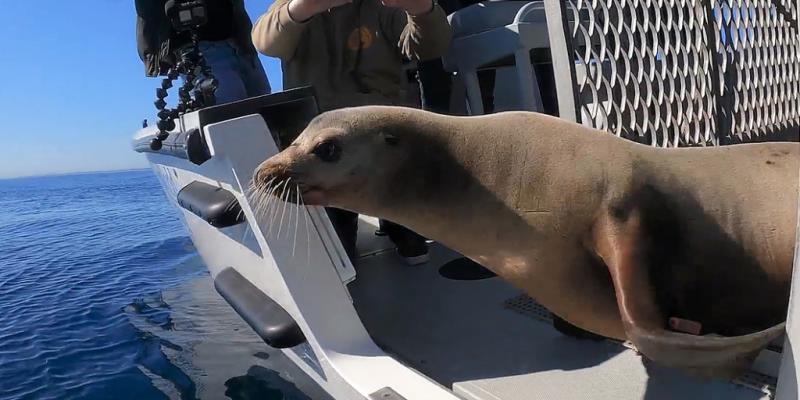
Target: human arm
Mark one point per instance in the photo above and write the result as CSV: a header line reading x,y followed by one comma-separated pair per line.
x,y
152,33
278,31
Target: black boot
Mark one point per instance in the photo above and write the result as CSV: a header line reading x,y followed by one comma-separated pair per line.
x,y
346,225
410,246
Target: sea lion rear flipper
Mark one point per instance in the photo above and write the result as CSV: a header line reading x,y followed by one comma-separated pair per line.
x,y
622,239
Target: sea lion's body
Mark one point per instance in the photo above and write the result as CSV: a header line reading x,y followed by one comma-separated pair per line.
x,y
613,236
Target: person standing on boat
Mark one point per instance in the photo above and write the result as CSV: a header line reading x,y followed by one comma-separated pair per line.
x,y
224,42
351,52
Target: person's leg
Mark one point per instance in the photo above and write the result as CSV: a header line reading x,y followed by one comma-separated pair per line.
x,y
451,6
435,84
486,79
253,75
222,60
411,246
346,225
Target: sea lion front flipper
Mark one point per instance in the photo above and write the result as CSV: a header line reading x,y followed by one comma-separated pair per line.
x,y
624,240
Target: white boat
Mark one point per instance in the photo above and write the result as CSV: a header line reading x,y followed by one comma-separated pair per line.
x,y
384,330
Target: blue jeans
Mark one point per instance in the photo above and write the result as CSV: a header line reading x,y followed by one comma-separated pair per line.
x,y
239,75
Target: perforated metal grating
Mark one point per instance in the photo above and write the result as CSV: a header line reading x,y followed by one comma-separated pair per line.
x,y
529,308
763,383
687,72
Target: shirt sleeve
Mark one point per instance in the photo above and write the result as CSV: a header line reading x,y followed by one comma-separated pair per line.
x,y
275,33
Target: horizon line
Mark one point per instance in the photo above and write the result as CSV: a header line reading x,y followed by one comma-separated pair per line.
x,y
67,173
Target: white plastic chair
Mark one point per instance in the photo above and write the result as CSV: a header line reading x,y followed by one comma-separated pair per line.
x,y
490,31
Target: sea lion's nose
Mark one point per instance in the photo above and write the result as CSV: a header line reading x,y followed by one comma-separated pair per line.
x,y
273,170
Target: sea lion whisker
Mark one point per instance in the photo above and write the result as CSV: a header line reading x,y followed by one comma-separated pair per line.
x,y
253,196
258,200
265,187
249,189
296,219
261,204
262,200
270,197
308,234
275,204
268,184
274,209
257,193
265,205
284,198
289,208
256,186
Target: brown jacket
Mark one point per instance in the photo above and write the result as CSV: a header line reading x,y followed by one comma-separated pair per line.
x,y
324,51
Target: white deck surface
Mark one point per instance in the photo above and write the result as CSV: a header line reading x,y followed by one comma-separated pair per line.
x,y
461,334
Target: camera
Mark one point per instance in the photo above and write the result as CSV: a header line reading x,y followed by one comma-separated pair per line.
x,y
186,15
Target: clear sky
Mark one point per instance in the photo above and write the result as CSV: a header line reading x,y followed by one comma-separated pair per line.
x,y
72,87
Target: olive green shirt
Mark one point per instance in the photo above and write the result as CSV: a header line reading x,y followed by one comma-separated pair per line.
x,y
323,50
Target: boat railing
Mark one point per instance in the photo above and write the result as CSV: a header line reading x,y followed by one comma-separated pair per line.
x,y
675,73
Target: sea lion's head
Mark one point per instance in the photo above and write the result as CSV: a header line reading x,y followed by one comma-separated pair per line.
x,y
340,156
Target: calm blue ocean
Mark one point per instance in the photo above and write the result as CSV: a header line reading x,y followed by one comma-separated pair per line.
x,y
102,296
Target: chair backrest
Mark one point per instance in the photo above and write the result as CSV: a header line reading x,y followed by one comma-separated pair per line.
x,y
679,72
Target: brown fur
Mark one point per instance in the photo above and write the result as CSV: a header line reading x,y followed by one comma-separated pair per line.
x,y
613,236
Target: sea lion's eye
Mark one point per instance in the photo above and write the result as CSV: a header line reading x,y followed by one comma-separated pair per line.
x,y
328,151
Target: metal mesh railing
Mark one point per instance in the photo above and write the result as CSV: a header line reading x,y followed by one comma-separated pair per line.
x,y
686,72
759,49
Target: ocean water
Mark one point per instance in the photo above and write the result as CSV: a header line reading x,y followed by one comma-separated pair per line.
x,y
102,296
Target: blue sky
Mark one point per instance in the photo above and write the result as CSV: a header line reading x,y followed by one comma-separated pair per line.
x,y
73,89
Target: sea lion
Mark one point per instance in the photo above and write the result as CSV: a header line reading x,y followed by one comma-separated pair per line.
x,y
613,236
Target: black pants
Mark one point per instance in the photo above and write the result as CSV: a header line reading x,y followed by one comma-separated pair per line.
x,y
436,86
346,225
436,83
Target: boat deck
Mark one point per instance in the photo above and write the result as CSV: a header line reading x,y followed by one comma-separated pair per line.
x,y
485,340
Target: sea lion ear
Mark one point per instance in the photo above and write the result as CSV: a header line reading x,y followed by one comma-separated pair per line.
x,y
390,139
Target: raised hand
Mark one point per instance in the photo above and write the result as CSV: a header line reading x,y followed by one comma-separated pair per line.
x,y
302,10
413,7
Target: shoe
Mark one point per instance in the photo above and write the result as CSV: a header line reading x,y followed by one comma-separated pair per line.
x,y
414,253
352,252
